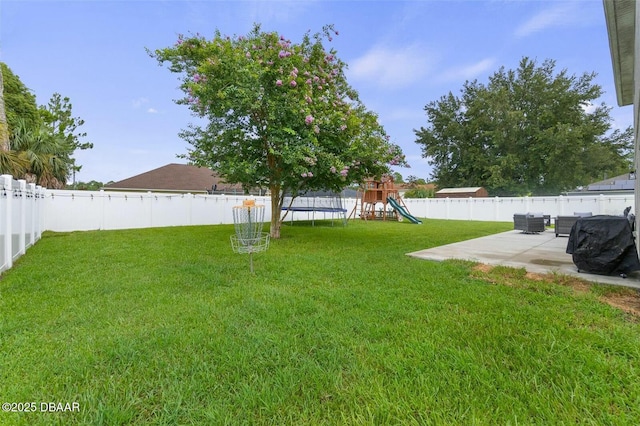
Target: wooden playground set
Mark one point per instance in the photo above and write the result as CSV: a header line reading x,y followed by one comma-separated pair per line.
x,y
376,200
382,193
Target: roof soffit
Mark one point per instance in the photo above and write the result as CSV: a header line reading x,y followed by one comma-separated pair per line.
x,y
620,18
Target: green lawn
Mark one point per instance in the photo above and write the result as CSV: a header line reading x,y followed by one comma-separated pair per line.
x,y
336,326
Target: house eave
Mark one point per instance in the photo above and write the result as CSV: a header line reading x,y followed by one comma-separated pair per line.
x,y
620,19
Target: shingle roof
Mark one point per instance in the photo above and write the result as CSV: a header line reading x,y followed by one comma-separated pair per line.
x,y
617,183
173,178
612,180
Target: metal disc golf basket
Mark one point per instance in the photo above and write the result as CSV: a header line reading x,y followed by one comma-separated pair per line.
x,y
249,238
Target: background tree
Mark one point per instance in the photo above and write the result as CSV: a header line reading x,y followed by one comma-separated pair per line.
x,y
19,102
45,155
528,131
93,185
414,181
397,177
10,162
4,129
41,141
57,117
419,193
279,115
417,188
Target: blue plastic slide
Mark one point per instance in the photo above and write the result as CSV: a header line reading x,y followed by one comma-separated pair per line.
x,y
403,211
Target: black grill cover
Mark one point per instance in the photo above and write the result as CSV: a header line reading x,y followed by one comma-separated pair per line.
x,y
603,245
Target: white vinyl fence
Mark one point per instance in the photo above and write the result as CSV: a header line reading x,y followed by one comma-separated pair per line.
x,y
93,210
502,209
26,210
21,214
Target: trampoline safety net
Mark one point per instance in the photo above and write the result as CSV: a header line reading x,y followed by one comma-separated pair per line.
x,y
325,202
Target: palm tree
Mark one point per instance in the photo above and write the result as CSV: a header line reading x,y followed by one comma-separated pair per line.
x,y
4,129
46,156
11,162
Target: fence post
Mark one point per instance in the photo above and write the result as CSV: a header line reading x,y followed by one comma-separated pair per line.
x,y
151,199
39,205
7,181
102,210
22,230
32,225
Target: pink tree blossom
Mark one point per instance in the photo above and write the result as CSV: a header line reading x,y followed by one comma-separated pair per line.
x,y
269,109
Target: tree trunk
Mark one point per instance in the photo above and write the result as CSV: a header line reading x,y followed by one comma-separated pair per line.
x,y
4,129
276,209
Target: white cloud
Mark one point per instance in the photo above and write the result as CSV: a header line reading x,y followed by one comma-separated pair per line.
x,y
139,102
621,118
588,108
142,102
561,14
469,72
392,67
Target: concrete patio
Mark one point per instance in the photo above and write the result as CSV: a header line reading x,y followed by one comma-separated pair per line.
x,y
540,253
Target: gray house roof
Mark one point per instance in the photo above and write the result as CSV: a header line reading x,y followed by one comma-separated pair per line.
x,y
618,183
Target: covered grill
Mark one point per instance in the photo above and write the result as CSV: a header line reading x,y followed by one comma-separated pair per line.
x,y
603,245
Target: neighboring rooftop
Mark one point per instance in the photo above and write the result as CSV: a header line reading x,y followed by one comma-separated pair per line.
x,y
175,178
459,190
476,191
625,182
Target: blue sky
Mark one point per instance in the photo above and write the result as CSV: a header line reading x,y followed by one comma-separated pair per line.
x,y
401,56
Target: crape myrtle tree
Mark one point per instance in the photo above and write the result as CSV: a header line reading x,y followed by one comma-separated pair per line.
x,y
528,131
278,114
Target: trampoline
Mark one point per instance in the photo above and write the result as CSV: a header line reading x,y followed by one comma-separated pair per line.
x,y
325,202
